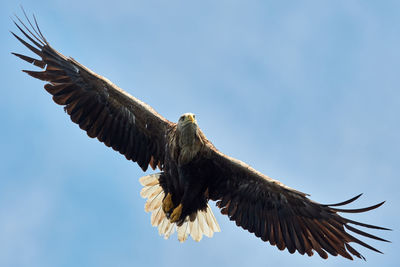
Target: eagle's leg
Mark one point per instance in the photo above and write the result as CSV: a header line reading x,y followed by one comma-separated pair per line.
x,y
176,214
189,202
167,204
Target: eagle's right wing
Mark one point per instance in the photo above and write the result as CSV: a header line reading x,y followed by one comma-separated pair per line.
x,y
98,106
281,215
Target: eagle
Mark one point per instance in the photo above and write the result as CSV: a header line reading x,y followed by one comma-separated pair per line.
x,y
192,171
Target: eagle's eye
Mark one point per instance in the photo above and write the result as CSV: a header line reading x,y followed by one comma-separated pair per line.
x,y
194,116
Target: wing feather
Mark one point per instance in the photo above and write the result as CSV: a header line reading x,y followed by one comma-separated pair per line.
x,y
98,106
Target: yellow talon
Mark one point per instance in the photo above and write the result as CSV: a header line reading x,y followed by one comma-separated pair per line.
x,y
167,204
176,214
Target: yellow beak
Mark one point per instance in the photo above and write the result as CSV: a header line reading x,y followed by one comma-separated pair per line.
x,y
191,118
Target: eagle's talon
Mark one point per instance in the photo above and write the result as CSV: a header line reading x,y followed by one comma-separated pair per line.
x,y
167,204
176,214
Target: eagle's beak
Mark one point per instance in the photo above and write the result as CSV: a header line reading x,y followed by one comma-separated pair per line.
x,y
191,118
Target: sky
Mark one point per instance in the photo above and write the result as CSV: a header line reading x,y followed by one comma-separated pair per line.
x,y
303,91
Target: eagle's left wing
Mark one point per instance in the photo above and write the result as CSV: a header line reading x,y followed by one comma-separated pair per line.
x,y
281,215
98,106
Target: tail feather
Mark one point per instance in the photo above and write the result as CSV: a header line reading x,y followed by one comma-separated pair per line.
x,y
149,180
154,203
195,231
162,228
183,231
157,216
204,222
150,191
212,222
204,225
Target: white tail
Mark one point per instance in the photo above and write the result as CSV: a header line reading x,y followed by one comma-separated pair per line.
x,y
204,222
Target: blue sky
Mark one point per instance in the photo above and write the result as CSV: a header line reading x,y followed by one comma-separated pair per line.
x,y
304,91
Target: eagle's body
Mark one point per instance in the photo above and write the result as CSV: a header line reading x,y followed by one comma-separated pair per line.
x,y
185,175
192,170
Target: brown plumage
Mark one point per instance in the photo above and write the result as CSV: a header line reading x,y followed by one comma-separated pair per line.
x,y
193,171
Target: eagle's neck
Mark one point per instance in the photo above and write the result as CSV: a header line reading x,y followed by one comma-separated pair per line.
x,y
189,142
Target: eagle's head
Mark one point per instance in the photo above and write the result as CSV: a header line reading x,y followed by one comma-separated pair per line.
x,y
187,119
187,128
189,139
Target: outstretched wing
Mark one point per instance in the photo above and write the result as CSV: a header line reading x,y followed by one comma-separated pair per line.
x,y
281,215
98,106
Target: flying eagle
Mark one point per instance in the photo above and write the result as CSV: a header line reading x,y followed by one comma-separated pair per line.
x,y
192,170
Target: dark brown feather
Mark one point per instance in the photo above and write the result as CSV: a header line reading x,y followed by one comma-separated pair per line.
x,y
30,47
36,62
343,202
296,235
359,210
